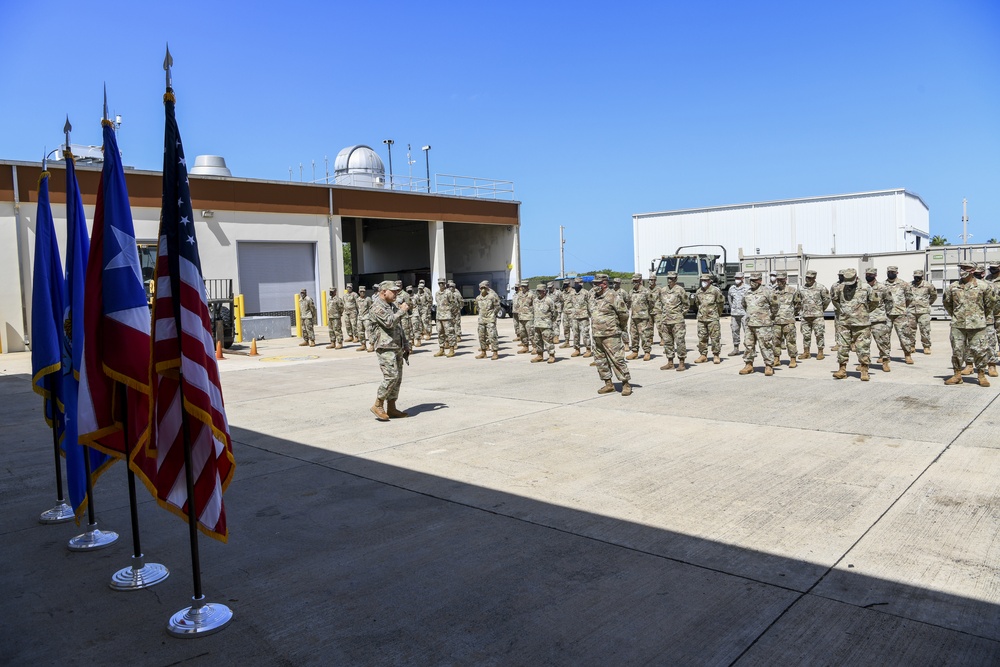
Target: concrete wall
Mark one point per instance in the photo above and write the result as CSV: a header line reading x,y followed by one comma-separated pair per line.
x,y
12,311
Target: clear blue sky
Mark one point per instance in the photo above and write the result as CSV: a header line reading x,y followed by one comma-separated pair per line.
x,y
596,111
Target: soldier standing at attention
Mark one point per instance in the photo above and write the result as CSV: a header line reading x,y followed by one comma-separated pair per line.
x,y
789,302
391,345
567,316
736,313
991,354
557,299
543,319
416,326
880,323
710,302
445,312
673,305
813,300
993,279
898,295
855,303
307,314
424,302
401,298
608,318
488,305
968,301
581,320
922,296
457,304
351,314
640,304
836,313
524,304
334,313
760,306
364,308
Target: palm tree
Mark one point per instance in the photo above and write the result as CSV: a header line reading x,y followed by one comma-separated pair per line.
x,y
937,239
992,241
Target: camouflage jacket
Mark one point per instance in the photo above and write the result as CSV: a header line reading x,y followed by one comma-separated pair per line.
x,y
364,306
789,301
524,305
921,297
457,302
760,305
710,302
580,305
855,303
608,314
423,298
640,303
969,303
402,297
557,298
387,332
487,306
307,308
878,314
351,302
898,295
736,295
813,300
445,308
544,313
673,304
335,306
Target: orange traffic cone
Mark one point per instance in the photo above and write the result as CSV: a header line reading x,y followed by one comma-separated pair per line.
x,y
253,348
218,351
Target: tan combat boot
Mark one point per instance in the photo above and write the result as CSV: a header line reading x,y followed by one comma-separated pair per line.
x,y
647,357
632,355
340,346
804,355
481,355
792,363
841,372
588,353
992,370
908,359
864,372
440,352
968,369
522,350
954,379
496,355
371,348
736,352
555,340
393,412
819,354
715,359
834,348
379,411
681,364
362,348
552,358
626,389
885,364
450,352
331,346
576,353
927,350
303,343
701,359
747,370
537,358
564,345
608,387
669,366
983,382
769,370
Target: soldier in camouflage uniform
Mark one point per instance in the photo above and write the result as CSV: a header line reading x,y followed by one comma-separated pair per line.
x,y
524,304
672,306
760,306
401,298
922,297
968,301
457,304
307,315
334,314
854,302
994,281
813,300
557,299
364,305
880,322
488,305
710,302
608,318
351,313
424,302
736,313
836,315
543,320
640,303
416,324
581,320
567,317
445,311
991,357
898,295
789,302
391,345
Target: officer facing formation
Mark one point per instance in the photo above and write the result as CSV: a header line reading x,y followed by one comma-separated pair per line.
x,y
641,303
789,301
488,305
968,301
390,344
672,305
813,300
609,317
737,315
307,315
854,304
543,320
334,315
710,302
922,296
760,306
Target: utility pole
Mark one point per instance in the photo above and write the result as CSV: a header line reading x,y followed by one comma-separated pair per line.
x,y
562,253
965,222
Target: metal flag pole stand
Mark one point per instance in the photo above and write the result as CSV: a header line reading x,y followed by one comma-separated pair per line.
x,y
139,574
94,538
61,512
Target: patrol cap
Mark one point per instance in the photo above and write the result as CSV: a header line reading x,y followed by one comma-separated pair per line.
x,y
603,278
399,283
578,281
390,285
636,276
781,275
302,291
810,274
774,273
967,265
756,275
618,281
540,287
871,271
420,282
850,276
739,274
483,284
441,281
671,275
550,285
350,285
524,283
361,288
892,269
841,272
567,282
409,288
451,283
705,276
918,273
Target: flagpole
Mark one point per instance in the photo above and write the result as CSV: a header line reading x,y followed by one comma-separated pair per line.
x,y
61,512
139,574
94,538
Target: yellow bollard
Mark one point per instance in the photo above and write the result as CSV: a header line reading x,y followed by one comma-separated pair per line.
x,y
298,318
238,317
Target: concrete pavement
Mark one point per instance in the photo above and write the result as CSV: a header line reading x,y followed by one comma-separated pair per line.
x,y
517,517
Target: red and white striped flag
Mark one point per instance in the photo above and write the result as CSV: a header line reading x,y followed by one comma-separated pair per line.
x,y
187,410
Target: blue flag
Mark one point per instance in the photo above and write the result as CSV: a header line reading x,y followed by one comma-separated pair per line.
x,y
77,253
47,312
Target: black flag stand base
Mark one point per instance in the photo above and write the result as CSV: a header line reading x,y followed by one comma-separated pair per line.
x,y
200,619
139,574
58,514
93,539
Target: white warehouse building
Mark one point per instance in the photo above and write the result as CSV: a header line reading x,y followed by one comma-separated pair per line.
x,y
863,222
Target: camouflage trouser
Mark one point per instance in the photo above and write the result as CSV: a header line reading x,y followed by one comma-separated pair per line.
x,y
736,325
336,330
860,337
522,330
488,339
391,363
458,324
922,323
359,331
351,322
641,331
762,337
709,332
904,331
837,328
308,331
881,332
581,333
425,320
971,344
784,336
672,337
991,345
416,325
543,341
567,326
446,334
609,355
407,331
811,325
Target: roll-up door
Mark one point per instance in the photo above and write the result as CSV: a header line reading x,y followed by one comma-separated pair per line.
x,y
272,273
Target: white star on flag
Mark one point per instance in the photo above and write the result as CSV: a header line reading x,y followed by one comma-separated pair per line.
x,y
190,240
180,202
184,220
181,161
124,259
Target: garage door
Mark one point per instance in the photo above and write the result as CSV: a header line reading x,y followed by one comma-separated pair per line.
x,y
272,273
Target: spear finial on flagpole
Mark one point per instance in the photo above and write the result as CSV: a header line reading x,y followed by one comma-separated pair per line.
x,y
168,61
67,128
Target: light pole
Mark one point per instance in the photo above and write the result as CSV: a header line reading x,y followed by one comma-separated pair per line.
x,y
389,143
427,160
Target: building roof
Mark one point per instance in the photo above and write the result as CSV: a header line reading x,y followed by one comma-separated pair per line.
x,y
778,202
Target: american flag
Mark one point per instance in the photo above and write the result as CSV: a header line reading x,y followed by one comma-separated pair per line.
x,y
187,408
114,380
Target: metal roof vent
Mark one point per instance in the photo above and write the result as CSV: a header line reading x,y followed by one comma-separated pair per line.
x,y
210,165
359,166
